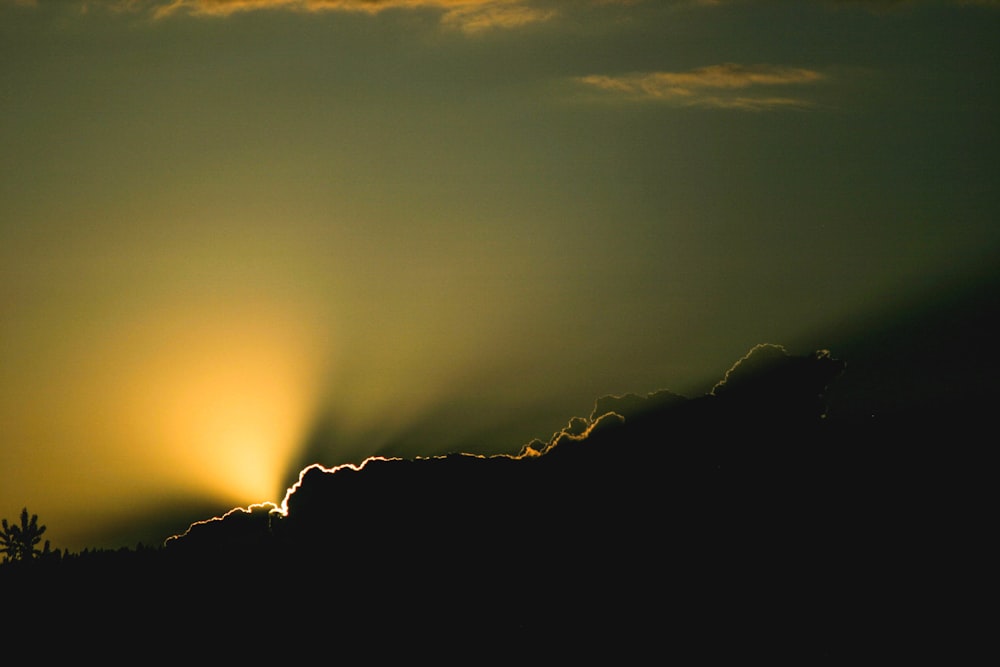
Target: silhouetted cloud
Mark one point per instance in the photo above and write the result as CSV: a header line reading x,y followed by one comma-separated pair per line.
x,y
607,410
240,527
628,405
733,521
614,450
765,417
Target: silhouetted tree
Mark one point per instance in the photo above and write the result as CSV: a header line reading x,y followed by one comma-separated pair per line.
x,y
20,542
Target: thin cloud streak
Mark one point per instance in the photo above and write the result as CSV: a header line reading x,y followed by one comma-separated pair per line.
x,y
486,16
466,15
709,86
470,16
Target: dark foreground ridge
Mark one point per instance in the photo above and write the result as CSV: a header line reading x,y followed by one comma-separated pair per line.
x,y
742,523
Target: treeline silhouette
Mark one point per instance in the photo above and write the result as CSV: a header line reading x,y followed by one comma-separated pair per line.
x,y
739,523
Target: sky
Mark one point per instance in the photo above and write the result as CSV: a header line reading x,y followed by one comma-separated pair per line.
x,y
238,237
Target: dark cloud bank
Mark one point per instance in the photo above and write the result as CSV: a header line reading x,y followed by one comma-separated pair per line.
x,y
742,523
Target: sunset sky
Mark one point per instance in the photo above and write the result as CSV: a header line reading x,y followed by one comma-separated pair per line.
x,y
241,236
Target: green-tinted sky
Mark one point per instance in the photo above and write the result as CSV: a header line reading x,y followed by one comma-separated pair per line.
x,y
239,236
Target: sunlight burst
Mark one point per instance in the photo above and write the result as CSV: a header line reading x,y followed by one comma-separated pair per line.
x,y
229,399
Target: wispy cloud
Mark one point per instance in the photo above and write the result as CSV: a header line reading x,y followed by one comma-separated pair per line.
x,y
481,16
884,6
470,16
729,85
466,15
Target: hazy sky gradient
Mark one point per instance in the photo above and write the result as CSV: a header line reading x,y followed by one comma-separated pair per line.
x,y
237,237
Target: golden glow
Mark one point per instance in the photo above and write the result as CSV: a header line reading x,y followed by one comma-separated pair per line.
x,y
228,397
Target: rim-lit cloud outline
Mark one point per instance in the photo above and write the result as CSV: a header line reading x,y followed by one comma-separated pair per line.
x,y
722,86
